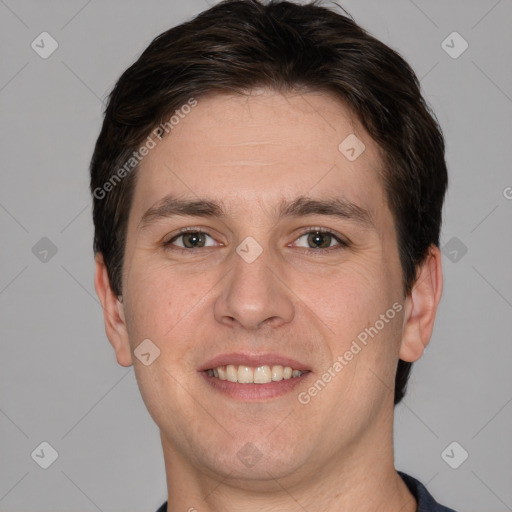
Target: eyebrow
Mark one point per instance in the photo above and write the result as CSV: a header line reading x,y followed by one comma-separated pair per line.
x,y
338,207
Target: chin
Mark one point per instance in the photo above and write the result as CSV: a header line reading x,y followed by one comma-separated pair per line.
x,y
256,465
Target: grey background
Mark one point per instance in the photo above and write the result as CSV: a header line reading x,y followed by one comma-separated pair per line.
x,y
59,380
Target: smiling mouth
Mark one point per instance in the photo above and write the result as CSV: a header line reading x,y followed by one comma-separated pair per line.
x,y
254,375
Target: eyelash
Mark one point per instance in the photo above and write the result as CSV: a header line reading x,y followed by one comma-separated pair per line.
x,y
343,244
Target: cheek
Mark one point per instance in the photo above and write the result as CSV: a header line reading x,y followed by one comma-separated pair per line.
x,y
160,299
364,313
350,296
164,307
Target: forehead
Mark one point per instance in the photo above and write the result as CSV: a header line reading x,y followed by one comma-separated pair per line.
x,y
263,147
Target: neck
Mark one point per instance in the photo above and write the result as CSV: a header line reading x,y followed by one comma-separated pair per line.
x,y
361,477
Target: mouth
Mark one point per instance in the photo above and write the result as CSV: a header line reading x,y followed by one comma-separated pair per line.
x,y
253,377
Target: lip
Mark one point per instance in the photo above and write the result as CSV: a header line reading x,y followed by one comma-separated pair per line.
x,y
253,392
254,360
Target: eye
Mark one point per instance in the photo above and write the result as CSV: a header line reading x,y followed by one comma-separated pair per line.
x,y
192,238
321,239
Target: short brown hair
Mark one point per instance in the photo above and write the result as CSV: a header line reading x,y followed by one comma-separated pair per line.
x,y
239,45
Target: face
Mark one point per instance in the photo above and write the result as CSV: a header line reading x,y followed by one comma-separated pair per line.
x,y
264,286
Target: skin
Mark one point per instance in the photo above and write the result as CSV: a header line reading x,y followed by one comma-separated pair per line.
x,y
336,452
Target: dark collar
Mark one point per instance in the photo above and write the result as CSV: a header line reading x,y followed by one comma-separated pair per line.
x,y
426,502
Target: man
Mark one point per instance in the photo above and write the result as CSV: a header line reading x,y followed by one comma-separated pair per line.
x,y
268,185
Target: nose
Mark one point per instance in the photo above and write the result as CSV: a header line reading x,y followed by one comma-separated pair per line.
x,y
254,294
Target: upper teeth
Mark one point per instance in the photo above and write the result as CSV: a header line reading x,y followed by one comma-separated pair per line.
x,y
257,375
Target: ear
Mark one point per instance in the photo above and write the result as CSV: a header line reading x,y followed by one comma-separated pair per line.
x,y
113,313
421,306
